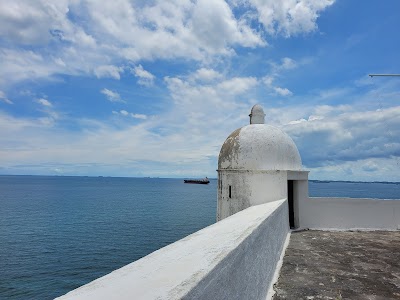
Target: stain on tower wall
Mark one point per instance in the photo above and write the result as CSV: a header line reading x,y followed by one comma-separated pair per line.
x,y
229,151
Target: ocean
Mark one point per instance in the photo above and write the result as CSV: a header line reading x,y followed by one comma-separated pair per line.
x,y
58,233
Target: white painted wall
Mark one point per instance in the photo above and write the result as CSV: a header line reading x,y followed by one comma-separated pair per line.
x,y
257,187
248,188
350,213
232,259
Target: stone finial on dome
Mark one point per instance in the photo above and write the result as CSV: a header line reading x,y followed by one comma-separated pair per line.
x,y
257,115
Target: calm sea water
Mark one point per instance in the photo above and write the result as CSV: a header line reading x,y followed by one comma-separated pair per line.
x,y
58,233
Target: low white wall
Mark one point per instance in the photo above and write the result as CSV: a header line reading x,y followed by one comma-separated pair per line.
x,y
235,258
350,213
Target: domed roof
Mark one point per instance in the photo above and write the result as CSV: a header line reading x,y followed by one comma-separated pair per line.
x,y
259,147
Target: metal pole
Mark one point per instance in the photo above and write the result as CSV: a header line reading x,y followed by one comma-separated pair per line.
x,y
384,75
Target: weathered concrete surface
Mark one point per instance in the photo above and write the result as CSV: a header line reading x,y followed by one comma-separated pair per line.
x,y
341,265
259,147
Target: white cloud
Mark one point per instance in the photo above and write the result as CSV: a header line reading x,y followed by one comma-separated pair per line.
x,y
237,85
285,64
4,98
371,169
340,134
169,29
111,96
139,116
205,75
370,166
288,17
288,63
282,91
335,142
144,77
108,71
268,80
28,22
214,25
202,107
276,71
37,23
133,115
19,65
88,37
124,112
44,102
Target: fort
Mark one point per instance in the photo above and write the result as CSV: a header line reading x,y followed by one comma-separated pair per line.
x,y
270,239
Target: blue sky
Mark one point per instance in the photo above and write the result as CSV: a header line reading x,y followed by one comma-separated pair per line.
x,y
153,88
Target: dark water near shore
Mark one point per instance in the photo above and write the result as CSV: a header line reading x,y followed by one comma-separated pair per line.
x,y
57,233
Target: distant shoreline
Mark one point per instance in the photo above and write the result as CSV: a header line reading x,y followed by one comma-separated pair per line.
x,y
181,178
347,181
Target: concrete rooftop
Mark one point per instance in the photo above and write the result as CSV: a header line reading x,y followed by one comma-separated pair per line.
x,y
341,265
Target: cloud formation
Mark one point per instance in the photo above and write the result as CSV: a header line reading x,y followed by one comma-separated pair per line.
x,y
288,17
276,71
144,77
334,135
88,37
199,67
4,98
335,141
126,114
108,71
111,96
282,91
44,102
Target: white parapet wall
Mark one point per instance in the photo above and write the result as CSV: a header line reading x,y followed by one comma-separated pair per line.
x,y
235,258
350,214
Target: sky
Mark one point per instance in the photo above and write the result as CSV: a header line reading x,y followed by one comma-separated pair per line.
x,y
153,88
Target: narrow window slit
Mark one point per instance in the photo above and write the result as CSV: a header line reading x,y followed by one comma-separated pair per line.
x,y
230,191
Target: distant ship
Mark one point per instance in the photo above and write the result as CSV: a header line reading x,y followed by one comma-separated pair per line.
x,y
197,181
